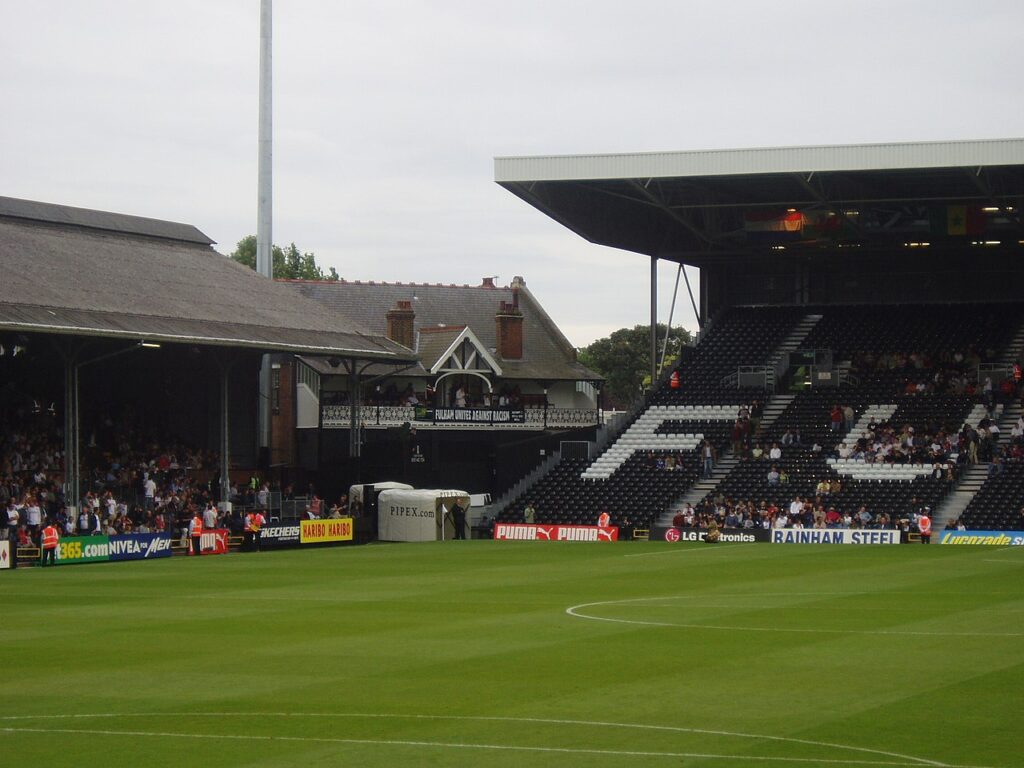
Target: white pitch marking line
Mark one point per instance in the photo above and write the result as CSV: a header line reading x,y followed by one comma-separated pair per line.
x,y
500,718
573,611
691,550
456,745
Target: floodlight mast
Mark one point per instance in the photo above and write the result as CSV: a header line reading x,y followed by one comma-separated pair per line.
x,y
264,211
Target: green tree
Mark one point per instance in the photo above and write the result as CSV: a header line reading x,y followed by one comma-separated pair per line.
x,y
624,359
290,262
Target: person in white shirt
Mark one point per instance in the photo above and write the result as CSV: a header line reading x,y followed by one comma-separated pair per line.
x,y
149,489
796,507
209,516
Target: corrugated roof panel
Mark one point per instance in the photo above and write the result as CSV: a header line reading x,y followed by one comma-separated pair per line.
x,y
761,161
105,220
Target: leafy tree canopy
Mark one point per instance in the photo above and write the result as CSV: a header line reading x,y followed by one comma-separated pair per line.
x,y
289,262
624,359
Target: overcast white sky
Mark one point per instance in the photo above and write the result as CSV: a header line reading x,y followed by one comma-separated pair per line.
x,y
388,115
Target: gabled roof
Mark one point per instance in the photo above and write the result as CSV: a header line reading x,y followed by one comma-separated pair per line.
x,y
433,342
90,273
450,352
547,354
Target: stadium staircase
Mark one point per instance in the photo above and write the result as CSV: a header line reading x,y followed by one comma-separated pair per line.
x,y
974,478
956,502
1014,349
779,361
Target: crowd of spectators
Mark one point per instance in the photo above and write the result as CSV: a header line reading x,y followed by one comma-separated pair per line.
x,y
801,512
129,483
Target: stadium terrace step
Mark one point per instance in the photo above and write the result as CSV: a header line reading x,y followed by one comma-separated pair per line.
x,y
1014,349
775,408
1007,419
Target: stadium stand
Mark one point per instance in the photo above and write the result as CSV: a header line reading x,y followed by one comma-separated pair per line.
x,y
908,414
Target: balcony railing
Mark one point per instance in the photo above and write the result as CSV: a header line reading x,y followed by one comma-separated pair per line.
x,y
373,416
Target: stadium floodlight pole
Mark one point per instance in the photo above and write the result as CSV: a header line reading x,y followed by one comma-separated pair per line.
x,y
264,212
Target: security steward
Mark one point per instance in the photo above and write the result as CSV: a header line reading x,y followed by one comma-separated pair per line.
x,y
195,531
254,522
924,526
459,517
50,539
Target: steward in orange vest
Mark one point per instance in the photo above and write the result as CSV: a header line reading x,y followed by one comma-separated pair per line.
x,y
924,525
51,537
604,520
195,530
254,522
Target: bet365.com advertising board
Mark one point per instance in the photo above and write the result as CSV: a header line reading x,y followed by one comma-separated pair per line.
x,y
100,549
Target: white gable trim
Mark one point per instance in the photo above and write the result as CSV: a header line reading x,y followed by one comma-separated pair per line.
x,y
481,353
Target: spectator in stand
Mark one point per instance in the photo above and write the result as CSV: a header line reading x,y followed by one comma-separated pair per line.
x,y
835,418
210,516
849,417
33,516
149,490
708,453
529,514
773,476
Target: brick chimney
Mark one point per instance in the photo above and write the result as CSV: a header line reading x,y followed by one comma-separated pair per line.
x,y
400,323
510,329
487,282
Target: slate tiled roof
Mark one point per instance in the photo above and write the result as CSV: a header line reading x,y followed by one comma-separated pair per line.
x,y
434,343
547,354
91,273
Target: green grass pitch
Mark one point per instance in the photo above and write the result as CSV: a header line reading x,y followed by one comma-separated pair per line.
x,y
488,654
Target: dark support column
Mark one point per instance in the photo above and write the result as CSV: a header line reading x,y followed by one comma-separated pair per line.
x,y
654,321
70,397
700,323
225,429
355,398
